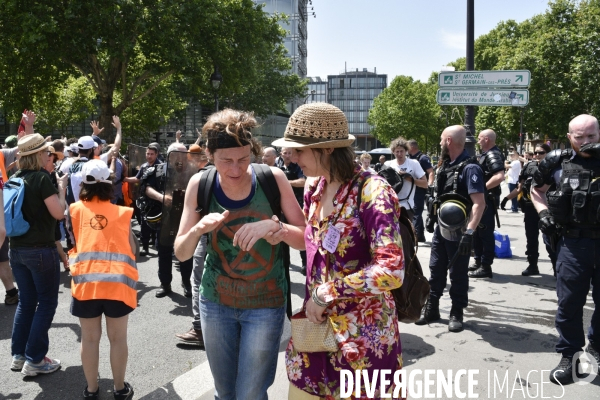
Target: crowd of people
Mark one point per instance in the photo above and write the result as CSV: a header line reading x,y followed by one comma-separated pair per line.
x,y
231,223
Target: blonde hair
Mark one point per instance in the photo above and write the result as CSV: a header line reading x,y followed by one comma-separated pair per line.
x,y
31,161
365,156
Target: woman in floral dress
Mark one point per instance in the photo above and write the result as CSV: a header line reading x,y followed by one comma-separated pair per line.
x,y
354,257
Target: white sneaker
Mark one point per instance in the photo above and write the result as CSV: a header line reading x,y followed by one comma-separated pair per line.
x,y
17,362
46,366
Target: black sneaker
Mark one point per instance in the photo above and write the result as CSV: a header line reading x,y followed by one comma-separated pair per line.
x,y
91,395
563,373
124,394
11,299
531,270
144,252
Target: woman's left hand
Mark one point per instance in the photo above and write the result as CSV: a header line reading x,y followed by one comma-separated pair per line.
x,y
314,313
276,237
249,234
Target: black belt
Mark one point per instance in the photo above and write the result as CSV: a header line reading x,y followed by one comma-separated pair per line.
x,y
576,233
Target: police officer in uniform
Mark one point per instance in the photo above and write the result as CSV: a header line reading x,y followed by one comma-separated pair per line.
x,y
530,215
419,199
571,214
491,161
457,208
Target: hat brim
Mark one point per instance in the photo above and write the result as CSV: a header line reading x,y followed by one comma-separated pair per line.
x,y
329,144
36,150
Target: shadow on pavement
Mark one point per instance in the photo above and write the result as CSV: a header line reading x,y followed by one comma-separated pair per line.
x,y
414,348
167,392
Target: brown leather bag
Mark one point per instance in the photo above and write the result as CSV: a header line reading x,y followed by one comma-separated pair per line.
x,y
411,297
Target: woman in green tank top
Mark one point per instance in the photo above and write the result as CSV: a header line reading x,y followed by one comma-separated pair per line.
x,y
243,290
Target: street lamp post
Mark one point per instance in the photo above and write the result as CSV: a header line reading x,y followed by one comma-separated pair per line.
x,y
215,80
470,110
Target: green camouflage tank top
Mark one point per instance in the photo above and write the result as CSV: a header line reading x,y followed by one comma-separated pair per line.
x,y
243,279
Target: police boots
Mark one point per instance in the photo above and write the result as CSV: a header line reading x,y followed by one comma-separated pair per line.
x,y
431,313
475,266
455,323
532,269
485,271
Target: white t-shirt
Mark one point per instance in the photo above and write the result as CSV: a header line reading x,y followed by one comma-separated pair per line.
x,y
413,168
66,164
513,173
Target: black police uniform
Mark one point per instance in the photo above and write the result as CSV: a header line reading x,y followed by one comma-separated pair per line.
x,y
491,162
575,207
531,220
419,199
470,180
149,177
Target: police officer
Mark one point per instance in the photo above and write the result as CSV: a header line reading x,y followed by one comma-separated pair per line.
x,y
491,161
571,214
459,204
419,199
531,218
152,161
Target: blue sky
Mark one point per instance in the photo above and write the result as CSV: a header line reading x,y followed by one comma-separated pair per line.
x,y
401,37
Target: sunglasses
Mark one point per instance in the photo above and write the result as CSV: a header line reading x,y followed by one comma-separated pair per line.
x,y
539,153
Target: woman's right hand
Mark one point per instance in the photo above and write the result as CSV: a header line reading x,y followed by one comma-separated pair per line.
x,y
210,222
62,182
314,313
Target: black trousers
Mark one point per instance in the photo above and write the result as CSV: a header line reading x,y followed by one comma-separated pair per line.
x,y
442,252
483,239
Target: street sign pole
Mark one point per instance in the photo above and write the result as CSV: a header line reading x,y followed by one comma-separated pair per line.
x,y
470,110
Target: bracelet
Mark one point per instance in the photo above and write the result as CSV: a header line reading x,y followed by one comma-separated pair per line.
x,y
318,301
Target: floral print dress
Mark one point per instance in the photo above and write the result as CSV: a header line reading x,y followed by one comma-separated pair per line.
x,y
366,265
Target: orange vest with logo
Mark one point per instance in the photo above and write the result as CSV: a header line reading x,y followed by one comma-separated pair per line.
x,y
102,264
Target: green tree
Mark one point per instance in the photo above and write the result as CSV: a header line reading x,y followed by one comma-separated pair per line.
x,y
406,108
133,51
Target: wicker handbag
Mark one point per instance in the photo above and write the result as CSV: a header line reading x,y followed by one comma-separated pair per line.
x,y
309,337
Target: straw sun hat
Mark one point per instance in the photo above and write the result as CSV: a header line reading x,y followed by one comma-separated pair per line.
x,y
317,126
30,144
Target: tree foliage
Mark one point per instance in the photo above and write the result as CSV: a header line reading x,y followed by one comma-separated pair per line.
x,y
143,54
407,108
561,48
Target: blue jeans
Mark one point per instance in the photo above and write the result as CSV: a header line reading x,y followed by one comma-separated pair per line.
x,y
37,272
241,347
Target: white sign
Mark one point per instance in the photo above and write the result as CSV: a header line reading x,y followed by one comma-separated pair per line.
x,y
499,79
483,97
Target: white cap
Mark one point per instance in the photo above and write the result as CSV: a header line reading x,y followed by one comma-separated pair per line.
x,y
86,143
73,148
97,169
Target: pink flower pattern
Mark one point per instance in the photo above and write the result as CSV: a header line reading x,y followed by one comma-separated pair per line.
x,y
367,264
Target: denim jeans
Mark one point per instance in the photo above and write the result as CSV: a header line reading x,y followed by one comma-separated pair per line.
x,y
241,347
37,272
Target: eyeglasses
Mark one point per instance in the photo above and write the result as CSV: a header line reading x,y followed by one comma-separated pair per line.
x,y
49,153
539,153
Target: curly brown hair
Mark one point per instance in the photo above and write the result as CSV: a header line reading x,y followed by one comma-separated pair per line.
x,y
230,125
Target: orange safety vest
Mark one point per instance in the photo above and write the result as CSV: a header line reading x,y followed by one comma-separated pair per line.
x,y
102,264
3,168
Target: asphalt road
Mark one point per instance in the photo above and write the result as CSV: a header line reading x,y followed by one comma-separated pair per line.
x,y
509,339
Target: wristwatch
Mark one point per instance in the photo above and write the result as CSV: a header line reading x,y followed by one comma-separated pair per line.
x,y
469,232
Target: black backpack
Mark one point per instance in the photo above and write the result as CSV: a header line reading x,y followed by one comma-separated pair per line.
x,y
268,184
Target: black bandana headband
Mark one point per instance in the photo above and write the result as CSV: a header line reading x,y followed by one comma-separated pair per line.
x,y
226,141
